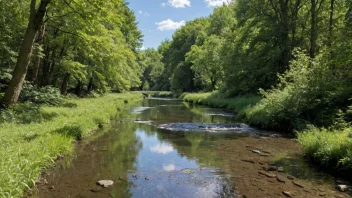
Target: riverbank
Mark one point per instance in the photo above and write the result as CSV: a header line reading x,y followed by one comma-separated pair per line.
x,y
326,147
273,167
238,105
28,149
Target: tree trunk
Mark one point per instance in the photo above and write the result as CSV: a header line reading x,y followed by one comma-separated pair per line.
x,y
79,88
313,29
35,21
90,85
64,84
40,40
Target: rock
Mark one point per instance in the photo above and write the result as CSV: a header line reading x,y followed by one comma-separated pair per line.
x,y
281,179
146,178
187,171
256,151
280,169
290,177
248,160
297,184
51,187
342,187
267,174
322,194
264,154
271,168
105,183
287,194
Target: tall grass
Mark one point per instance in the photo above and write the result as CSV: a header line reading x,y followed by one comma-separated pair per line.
x,y
330,148
28,149
214,99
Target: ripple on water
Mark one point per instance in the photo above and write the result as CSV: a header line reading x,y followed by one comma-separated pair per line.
x,y
218,128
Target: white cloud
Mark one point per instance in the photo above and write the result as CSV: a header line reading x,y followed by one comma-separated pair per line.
x,y
169,25
140,12
216,3
162,149
163,4
169,167
179,3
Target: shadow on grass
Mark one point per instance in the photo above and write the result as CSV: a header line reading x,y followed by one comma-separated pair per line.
x,y
71,131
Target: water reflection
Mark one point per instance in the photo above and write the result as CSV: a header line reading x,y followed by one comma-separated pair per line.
x,y
145,161
162,148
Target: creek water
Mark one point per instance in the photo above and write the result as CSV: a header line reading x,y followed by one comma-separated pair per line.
x,y
159,148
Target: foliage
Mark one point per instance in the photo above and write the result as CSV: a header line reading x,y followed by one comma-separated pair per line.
x,y
307,93
329,148
40,95
88,46
28,149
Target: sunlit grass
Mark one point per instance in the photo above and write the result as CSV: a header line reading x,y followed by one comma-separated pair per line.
x,y
214,99
329,148
28,149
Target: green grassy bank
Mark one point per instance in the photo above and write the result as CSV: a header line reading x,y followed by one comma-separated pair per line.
x,y
28,149
330,148
239,104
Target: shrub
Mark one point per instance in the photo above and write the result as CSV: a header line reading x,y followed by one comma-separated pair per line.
x,y
25,113
306,93
40,95
331,148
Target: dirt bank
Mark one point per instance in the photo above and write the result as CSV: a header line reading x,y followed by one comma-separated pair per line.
x,y
247,160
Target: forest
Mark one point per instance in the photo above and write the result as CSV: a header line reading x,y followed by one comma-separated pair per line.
x,y
283,65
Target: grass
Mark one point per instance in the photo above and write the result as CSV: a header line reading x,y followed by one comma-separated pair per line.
x,y
330,148
28,149
239,104
164,94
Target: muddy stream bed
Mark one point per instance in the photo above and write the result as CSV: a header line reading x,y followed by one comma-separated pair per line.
x,y
167,148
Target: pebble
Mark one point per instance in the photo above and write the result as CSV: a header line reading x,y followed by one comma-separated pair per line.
x,y
271,168
267,174
280,179
342,187
290,177
287,194
280,169
297,184
248,160
105,183
256,151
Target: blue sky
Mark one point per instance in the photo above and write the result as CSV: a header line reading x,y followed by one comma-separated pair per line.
x,y
158,19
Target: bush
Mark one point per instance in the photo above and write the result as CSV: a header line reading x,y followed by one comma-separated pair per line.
x,y
40,95
25,113
306,93
328,147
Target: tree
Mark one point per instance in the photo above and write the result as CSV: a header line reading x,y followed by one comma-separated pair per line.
x,y
35,22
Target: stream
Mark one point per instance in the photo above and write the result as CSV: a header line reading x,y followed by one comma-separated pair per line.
x,y
161,148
